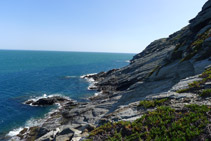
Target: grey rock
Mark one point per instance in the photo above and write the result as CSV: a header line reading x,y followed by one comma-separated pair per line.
x,y
66,134
203,30
66,131
48,101
207,85
183,84
64,137
48,136
88,128
203,18
159,66
157,72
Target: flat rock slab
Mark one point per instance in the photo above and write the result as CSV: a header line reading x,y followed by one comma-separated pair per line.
x,y
172,95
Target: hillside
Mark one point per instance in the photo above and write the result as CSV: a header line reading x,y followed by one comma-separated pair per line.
x,y
164,62
163,94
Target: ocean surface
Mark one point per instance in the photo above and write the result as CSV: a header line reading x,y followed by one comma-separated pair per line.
x,y
31,74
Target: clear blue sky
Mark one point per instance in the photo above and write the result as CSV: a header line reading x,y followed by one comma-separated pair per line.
x,y
91,25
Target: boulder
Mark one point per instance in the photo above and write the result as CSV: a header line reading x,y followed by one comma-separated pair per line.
x,y
66,131
34,133
49,136
46,101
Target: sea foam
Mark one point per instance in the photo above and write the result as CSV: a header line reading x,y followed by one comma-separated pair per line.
x,y
92,82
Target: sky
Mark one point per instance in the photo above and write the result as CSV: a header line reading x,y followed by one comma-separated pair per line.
x,y
126,26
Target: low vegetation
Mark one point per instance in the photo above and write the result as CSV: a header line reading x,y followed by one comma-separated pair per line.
x,y
162,124
195,47
152,103
197,86
183,90
206,93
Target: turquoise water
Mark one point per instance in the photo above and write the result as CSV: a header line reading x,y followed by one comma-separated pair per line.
x,y
28,74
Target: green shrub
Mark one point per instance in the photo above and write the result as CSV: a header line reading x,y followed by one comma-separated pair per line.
x,y
206,93
183,90
206,74
152,103
196,86
162,124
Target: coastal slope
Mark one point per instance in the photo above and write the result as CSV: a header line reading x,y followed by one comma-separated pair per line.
x,y
163,63
173,72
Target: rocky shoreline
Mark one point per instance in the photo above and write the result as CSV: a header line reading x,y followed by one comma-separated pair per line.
x,y
176,69
71,121
74,121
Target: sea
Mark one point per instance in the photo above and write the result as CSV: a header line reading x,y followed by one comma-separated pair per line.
x,y
32,74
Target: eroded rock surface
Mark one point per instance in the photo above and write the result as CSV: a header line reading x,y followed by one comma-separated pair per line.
x,y
165,66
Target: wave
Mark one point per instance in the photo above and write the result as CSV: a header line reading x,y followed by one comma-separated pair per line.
x,y
92,86
87,75
30,123
46,96
14,132
35,122
92,82
98,93
69,77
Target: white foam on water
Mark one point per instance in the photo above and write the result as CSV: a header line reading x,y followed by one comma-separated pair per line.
x,y
92,86
14,132
30,123
92,82
36,122
98,93
45,96
38,97
69,76
87,75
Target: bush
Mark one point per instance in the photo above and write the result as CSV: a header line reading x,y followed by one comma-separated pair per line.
x,y
152,103
206,93
196,86
162,124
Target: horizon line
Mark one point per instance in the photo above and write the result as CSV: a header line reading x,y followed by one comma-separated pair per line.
x,y
65,51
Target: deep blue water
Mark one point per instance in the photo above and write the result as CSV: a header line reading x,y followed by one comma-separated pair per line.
x,y
28,74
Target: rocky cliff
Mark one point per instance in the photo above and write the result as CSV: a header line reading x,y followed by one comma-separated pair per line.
x,y
164,62
165,73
